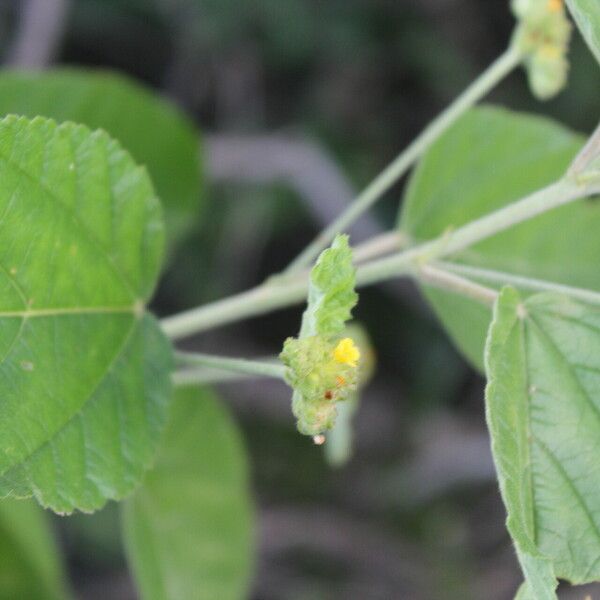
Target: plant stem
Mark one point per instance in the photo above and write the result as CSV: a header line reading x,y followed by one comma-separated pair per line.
x,y
525,283
555,195
278,292
257,301
202,376
586,155
499,69
385,243
234,365
433,275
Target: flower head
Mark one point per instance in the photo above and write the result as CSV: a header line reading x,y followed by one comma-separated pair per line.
x,y
542,37
321,367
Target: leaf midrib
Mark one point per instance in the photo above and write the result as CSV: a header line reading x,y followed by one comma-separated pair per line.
x,y
550,456
529,466
553,459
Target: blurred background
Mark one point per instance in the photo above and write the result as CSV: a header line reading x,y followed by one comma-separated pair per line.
x,y
300,103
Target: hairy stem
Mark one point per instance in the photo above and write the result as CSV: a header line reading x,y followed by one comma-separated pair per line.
x,y
555,195
499,69
234,365
204,376
524,283
438,277
385,243
280,292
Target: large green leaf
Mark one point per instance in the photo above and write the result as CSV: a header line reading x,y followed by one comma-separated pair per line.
x,y
188,528
84,371
490,158
587,16
29,559
543,409
157,135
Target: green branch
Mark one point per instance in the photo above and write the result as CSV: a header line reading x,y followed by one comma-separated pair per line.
x,y
557,194
518,281
497,71
232,365
280,292
203,376
445,280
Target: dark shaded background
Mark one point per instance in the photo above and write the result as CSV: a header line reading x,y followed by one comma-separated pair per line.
x,y
302,102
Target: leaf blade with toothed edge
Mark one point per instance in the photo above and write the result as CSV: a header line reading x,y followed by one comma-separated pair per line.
x,y
543,368
84,370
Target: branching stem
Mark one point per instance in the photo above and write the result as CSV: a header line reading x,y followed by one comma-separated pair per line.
x,y
518,281
440,278
280,292
385,243
497,71
557,194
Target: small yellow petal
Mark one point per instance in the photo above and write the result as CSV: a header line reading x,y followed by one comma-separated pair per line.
x,y
346,352
555,5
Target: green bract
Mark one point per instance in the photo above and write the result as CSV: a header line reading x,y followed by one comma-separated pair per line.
x,y
319,379
543,368
331,295
84,370
542,36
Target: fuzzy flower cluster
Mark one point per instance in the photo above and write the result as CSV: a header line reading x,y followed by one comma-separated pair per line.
x,y
322,363
322,373
542,36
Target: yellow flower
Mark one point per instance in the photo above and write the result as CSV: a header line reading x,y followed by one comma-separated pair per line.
x,y
346,352
555,5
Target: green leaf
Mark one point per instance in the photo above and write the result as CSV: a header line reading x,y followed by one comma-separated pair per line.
x,y
490,158
188,529
543,368
29,559
150,128
587,16
84,371
331,295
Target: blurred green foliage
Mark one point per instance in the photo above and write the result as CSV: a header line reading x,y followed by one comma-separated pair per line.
x,y
30,561
361,77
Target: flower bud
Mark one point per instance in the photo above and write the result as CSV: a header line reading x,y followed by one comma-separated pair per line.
x,y
322,366
321,372
542,37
